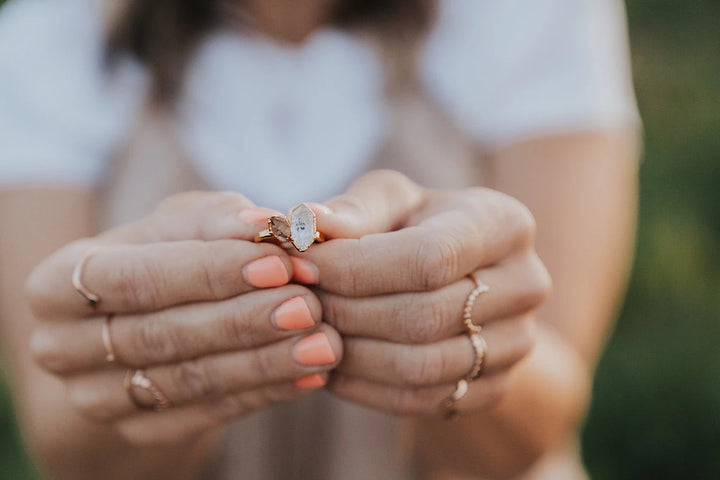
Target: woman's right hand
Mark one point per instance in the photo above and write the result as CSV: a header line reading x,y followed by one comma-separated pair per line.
x,y
208,314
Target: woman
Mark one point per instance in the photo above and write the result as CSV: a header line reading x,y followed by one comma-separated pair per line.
x,y
183,347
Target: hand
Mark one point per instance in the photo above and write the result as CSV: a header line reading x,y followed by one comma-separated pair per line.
x,y
209,315
396,291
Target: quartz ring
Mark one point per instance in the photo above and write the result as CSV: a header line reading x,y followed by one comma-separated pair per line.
x,y
298,228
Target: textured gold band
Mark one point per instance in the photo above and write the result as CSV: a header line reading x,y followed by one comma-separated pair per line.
x,y
479,289
480,347
450,402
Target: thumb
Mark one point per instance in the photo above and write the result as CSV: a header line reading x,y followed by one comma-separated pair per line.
x,y
379,201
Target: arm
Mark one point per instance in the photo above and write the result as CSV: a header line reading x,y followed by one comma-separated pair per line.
x,y
582,192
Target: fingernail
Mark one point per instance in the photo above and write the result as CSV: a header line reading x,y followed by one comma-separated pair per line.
x,y
320,208
258,214
304,271
314,350
293,314
266,272
311,381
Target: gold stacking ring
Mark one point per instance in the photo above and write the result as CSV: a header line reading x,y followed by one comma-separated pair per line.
x,y
107,340
480,347
479,289
77,282
450,402
137,380
299,228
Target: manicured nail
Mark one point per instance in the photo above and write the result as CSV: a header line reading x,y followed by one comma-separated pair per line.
x,y
304,271
311,381
256,215
320,208
293,314
266,272
314,350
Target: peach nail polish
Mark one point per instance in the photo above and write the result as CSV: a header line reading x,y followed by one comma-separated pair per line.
x,y
314,350
293,314
320,208
304,271
258,214
266,272
311,381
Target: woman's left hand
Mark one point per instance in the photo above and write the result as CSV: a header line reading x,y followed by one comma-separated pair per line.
x,y
395,280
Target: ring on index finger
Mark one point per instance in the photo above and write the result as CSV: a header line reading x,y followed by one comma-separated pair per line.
x,y
299,228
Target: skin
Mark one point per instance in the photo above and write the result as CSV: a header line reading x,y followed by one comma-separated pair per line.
x,y
540,362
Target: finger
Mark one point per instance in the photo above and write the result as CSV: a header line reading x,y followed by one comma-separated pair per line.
x,y
185,423
446,361
517,286
483,393
194,216
136,278
214,376
181,333
437,252
380,201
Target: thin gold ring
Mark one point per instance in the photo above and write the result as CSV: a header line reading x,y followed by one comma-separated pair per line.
x,y
299,228
138,379
107,340
77,282
449,404
480,348
479,289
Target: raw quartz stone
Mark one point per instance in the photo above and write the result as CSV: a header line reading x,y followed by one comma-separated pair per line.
x,y
280,228
302,226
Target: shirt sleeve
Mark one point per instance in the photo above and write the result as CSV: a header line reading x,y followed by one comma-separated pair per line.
x,y
61,114
516,69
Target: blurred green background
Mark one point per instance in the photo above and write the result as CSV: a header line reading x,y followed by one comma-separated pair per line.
x,y
656,409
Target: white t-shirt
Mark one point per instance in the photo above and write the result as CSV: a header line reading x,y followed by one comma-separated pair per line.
x,y
503,70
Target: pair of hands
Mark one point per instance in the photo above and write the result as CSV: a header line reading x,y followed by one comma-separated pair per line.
x,y
224,327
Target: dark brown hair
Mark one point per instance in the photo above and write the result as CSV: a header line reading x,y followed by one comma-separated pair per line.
x,y
162,34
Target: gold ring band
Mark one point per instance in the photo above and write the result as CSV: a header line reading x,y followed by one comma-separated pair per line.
x,y
480,348
449,404
77,282
299,228
479,289
107,340
138,379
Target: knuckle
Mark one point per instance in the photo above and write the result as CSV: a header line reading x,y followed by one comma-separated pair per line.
x,y
91,403
419,368
438,261
137,282
538,285
232,406
525,221
48,351
409,402
430,324
194,378
265,364
155,340
526,336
